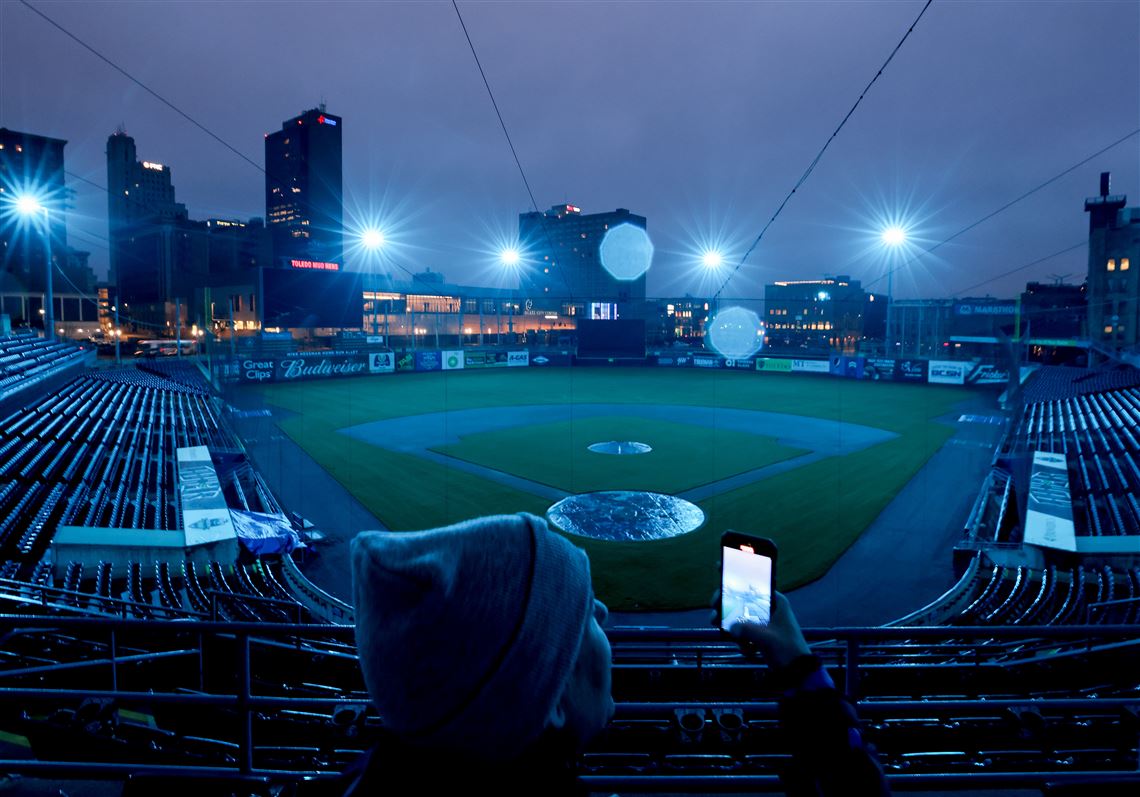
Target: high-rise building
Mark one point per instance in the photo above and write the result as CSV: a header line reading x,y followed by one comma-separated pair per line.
x,y
31,165
564,250
303,188
1114,261
814,315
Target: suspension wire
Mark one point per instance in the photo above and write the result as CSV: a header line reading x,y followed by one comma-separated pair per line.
x,y
819,155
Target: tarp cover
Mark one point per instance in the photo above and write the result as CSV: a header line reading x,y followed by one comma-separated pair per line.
x,y
263,534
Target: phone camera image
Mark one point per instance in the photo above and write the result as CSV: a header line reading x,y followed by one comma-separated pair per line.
x,y
746,590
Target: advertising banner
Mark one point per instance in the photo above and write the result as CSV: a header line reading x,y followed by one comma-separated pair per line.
x,y
878,368
910,370
744,364
675,360
707,361
947,372
549,359
294,368
256,370
776,365
406,361
847,367
985,308
1049,519
382,362
484,359
452,360
987,374
811,366
428,361
518,359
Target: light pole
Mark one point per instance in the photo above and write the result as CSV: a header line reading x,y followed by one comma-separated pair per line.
x,y
510,259
893,238
30,207
372,240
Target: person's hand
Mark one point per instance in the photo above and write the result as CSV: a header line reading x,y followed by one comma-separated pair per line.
x,y
780,641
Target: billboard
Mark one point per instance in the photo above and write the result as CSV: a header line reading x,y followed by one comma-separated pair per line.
x,y
428,361
675,360
911,370
296,367
1049,518
981,308
848,367
300,298
744,364
406,361
619,338
811,366
947,372
452,360
518,359
776,365
382,362
878,368
707,361
551,359
987,374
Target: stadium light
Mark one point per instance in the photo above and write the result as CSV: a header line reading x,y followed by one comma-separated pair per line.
x,y
509,257
712,259
894,236
28,206
372,238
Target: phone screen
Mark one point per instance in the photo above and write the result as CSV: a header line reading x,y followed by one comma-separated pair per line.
x,y
746,586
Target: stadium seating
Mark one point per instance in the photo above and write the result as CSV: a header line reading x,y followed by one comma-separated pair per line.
x,y
27,359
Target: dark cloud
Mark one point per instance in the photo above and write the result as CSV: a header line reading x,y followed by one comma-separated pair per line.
x,y
698,115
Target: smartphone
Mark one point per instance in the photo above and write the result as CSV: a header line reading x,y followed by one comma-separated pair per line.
x,y
747,579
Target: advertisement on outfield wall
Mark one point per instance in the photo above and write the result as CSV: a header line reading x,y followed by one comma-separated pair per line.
x,y
452,360
947,372
382,362
550,359
910,370
428,361
294,368
878,368
987,374
674,360
741,365
847,367
775,365
811,366
485,359
1049,518
518,359
707,361
406,361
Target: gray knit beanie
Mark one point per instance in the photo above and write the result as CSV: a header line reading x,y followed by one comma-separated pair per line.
x,y
467,634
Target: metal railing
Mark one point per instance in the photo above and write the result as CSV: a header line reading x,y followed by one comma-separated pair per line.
x,y
133,641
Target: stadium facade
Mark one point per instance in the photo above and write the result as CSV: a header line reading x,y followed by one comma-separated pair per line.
x,y
1114,261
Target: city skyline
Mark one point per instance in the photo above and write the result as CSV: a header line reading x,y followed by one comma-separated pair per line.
x,y
621,105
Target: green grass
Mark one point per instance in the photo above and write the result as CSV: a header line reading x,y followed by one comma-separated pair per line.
x,y
813,512
683,456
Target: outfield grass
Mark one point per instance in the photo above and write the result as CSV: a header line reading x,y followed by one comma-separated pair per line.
x,y
683,456
814,512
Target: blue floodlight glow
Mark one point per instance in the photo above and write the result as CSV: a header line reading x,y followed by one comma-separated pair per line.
x,y
372,238
626,252
823,296
509,257
712,259
27,205
894,236
735,333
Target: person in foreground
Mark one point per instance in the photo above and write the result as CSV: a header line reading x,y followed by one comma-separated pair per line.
x,y
482,649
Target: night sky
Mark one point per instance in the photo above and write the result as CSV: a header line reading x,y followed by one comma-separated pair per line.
x,y
700,116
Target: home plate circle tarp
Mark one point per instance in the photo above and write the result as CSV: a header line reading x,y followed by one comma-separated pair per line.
x,y
625,515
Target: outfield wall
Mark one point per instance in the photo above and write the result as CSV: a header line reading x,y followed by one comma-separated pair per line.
x,y
303,366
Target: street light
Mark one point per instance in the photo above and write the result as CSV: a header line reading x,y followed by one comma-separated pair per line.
x,y
30,207
892,237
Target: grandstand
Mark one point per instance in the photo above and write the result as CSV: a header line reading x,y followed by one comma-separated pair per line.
x,y
1015,678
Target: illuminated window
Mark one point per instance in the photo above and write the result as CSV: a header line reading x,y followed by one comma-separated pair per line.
x,y
1112,265
1124,264
19,148
1108,329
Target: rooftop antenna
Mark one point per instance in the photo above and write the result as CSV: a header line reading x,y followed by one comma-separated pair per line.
x,y
322,105
1059,279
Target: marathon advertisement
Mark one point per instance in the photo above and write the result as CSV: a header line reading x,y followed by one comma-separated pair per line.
x,y
551,359
910,370
947,372
811,366
847,367
382,362
985,308
1049,518
775,365
428,361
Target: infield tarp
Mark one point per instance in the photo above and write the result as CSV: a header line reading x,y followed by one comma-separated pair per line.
x,y
1049,519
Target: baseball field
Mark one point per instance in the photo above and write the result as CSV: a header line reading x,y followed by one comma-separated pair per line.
x,y
807,460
